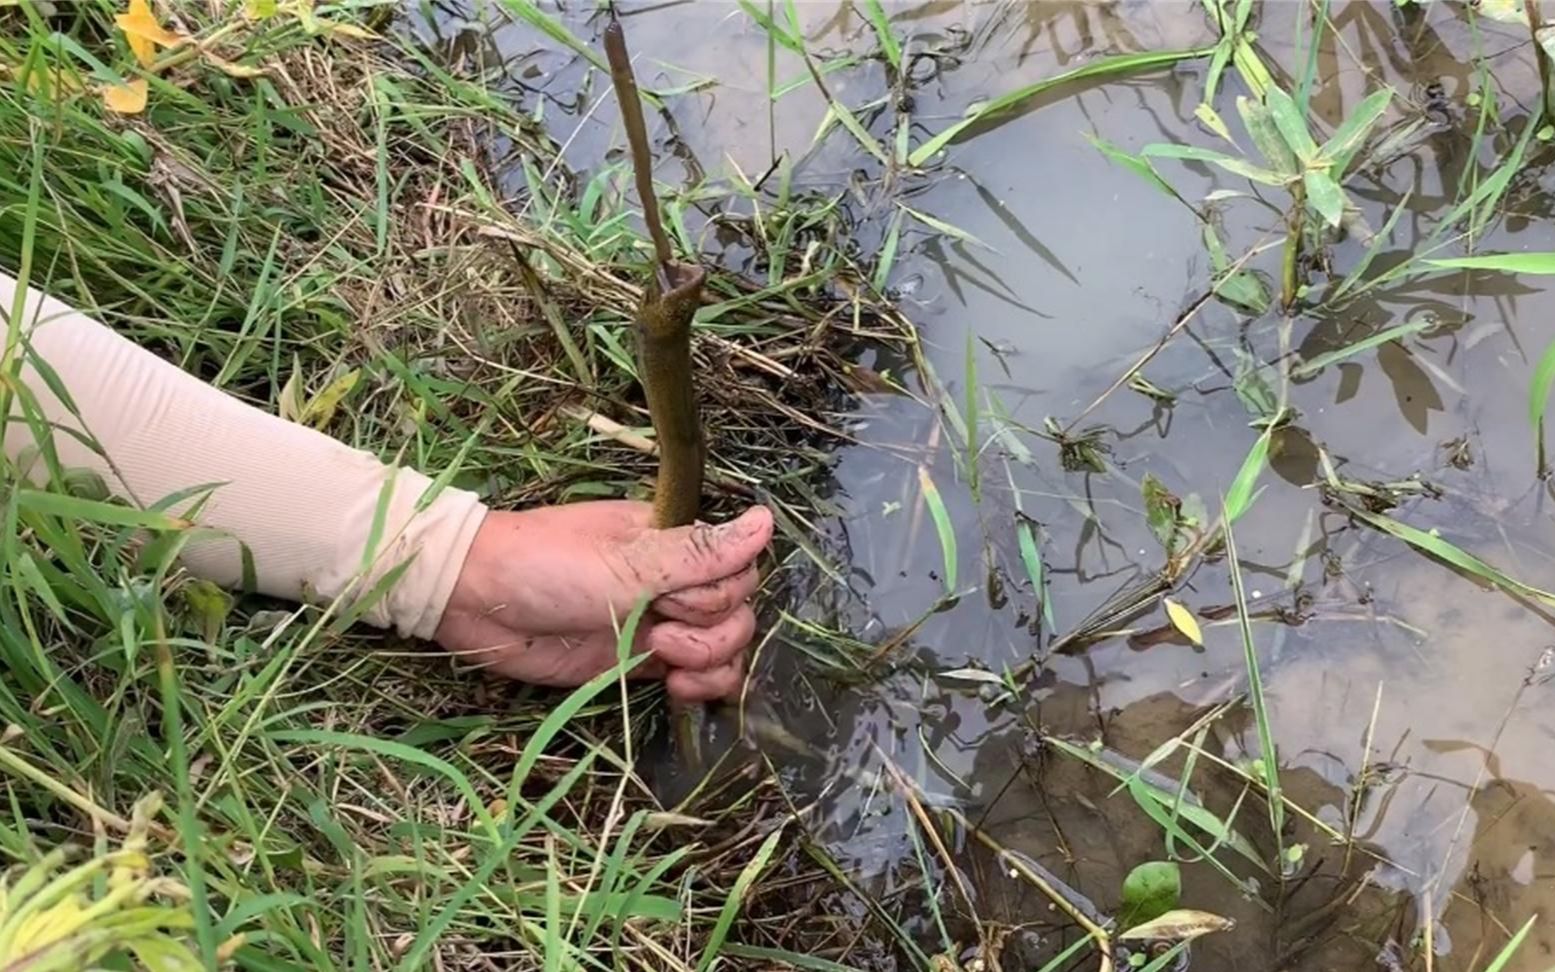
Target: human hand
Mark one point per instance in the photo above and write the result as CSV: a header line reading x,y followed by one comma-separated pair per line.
x,y
541,591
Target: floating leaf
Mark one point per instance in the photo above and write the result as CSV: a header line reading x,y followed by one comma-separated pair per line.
x,y
1244,291
1161,511
1254,388
1184,621
1546,38
1178,926
1151,890
144,34
1150,389
1119,64
128,98
1505,11
973,675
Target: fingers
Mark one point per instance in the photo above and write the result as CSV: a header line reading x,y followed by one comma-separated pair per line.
x,y
699,555
685,646
708,604
711,685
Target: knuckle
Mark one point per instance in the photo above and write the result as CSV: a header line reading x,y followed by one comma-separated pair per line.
x,y
702,540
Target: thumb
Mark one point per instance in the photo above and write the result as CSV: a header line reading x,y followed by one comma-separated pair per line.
x,y
700,554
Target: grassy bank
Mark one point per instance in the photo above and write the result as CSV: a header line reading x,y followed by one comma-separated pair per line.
x,y
315,221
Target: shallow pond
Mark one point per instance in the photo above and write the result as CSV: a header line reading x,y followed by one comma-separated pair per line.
x,y
1406,698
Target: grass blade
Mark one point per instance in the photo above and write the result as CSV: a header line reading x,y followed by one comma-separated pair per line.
x,y
1538,397
1535,263
1374,247
1269,756
530,13
947,533
1194,153
1435,546
1031,556
1140,167
189,830
1348,137
394,750
887,258
736,898
882,24
1061,960
1167,810
1505,955
553,909
565,711
1240,496
948,229
1114,66
1383,336
93,511
780,957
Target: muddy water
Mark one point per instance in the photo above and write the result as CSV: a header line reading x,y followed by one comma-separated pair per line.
x,y
1408,706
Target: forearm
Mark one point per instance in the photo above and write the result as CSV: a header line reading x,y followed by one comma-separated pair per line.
x,y
302,503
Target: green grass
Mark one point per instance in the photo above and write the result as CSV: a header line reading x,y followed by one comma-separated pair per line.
x,y
327,239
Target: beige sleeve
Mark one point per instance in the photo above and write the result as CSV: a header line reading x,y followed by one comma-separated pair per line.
x,y
301,502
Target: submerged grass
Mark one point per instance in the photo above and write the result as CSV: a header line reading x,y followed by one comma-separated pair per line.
x,y
317,223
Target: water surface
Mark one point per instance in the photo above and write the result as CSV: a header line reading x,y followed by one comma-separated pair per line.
x,y
1408,706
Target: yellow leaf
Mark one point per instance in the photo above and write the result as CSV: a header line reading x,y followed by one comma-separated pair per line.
x,y
349,30
232,68
321,410
1213,121
287,403
47,926
143,32
128,98
1182,925
229,948
1184,621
